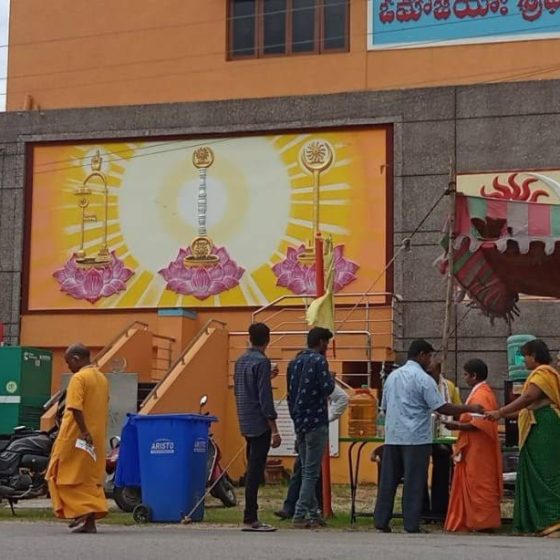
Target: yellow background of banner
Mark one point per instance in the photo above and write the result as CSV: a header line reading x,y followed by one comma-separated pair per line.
x,y
259,199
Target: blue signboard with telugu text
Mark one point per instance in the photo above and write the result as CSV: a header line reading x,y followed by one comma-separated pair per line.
x,y
427,23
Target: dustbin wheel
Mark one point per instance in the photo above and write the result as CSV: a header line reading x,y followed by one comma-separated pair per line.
x,y
142,514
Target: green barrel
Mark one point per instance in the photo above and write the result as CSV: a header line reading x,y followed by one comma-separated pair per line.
x,y
516,364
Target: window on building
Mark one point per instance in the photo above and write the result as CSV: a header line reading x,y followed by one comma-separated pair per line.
x,y
259,28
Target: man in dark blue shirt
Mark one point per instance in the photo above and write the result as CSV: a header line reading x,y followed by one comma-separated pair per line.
x,y
309,385
257,418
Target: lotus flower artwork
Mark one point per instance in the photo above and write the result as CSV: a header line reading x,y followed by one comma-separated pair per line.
x,y
299,278
204,280
93,282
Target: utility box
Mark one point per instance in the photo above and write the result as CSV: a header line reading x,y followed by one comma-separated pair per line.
x,y
123,399
25,386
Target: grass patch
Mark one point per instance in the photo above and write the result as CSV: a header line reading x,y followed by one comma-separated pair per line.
x,y
270,500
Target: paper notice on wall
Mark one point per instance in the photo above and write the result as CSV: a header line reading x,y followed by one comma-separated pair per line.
x,y
286,429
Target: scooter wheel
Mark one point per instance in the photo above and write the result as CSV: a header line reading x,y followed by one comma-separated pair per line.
x,y
142,514
225,492
127,497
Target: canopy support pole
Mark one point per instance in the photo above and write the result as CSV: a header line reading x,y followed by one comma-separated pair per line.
x,y
449,294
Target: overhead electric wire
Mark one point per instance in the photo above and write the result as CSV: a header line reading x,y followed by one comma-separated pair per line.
x,y
229,18
430,94
135,156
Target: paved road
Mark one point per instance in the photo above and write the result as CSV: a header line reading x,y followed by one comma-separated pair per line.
x,y
33,541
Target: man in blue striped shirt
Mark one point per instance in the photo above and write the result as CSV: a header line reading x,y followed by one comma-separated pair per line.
x,y
257,418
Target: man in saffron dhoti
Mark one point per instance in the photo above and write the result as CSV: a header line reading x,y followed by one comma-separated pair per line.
x,y
76,474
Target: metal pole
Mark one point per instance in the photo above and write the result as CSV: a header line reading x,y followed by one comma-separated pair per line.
x,y
451,192
325,463
316,204
319,266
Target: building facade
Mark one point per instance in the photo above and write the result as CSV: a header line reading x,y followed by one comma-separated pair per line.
x,y
153,128
166,51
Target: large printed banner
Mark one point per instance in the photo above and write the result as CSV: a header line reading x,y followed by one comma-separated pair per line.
x,y
205,222
428,23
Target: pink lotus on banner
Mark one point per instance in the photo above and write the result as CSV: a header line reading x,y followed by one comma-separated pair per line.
x,y
204,280
299,278
93,283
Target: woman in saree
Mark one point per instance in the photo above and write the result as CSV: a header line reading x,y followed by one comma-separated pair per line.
x,y
537,496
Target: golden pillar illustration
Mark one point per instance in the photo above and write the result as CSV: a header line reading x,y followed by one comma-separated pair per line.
x,y
317,157
201,246
84,194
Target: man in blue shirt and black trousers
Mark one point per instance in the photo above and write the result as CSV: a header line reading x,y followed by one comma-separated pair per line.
x,y
410,395
257,418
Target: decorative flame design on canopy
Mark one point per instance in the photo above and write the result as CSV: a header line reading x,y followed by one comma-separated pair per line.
x,y
513,190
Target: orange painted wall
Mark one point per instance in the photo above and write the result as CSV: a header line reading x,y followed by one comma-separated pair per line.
x,y
204,373
72,53
57,331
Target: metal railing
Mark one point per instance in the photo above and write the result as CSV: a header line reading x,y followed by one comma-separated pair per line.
x,y
364,305
367,347
162,363
138,325
360,317
181,358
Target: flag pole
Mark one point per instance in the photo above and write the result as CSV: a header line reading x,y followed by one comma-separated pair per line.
x,y
325,463
449,299
319,266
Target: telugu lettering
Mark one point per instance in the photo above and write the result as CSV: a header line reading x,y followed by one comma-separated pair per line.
x,y
442,9
552,6
412,11
469,8
409,10
386,12
531,10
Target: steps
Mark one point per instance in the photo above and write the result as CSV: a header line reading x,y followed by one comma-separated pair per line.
x,y
144,389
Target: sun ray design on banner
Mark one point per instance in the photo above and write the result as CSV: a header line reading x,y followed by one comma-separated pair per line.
x,y
221,222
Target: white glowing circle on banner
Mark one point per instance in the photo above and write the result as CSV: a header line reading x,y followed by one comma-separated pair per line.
x,y
217,202
248,189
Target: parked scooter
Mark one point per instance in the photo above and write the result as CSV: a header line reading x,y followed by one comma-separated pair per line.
x,y
23,463
111,466
128,497
223,489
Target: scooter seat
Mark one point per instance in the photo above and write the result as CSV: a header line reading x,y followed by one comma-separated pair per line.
x,y
9,463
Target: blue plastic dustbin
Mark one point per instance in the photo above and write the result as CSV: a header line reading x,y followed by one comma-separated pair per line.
x,y
173,451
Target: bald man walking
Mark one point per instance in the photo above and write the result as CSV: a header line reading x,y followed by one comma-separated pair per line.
x,y
77,467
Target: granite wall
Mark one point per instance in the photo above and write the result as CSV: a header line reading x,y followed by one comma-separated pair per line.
x,y
496,127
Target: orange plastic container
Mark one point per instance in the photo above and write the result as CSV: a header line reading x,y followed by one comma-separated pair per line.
x,y
362,413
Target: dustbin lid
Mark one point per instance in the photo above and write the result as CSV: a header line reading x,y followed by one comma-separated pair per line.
x,y
176,416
